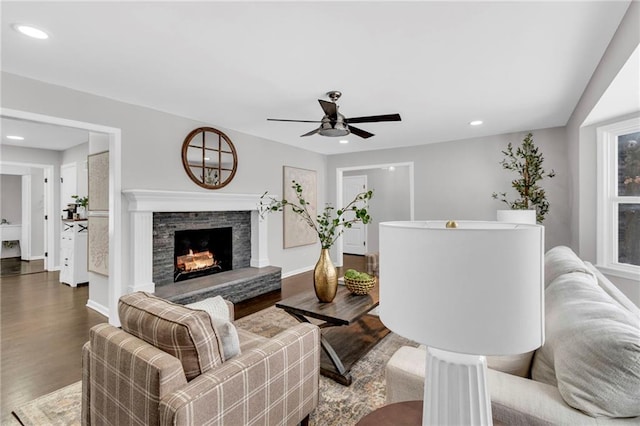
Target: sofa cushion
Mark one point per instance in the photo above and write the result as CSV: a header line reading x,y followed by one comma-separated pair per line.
x,y
182,332
518,365
562,260
592,348
218,310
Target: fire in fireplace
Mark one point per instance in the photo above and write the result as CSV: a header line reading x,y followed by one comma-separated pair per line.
x,y
202,252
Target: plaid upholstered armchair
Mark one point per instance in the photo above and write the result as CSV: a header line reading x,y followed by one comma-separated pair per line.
x,y
169,365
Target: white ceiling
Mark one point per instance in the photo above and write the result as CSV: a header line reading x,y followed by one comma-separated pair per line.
x,y
516,65
623,94
41,135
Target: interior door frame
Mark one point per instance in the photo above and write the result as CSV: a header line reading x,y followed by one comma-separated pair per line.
x,y
343,203
339,177
49,231
116,283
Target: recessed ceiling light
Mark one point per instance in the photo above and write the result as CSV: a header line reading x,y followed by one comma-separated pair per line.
x,y
475,123
31,31
15,138
344,141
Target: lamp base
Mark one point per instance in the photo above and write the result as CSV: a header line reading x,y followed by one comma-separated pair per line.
x,y
455,389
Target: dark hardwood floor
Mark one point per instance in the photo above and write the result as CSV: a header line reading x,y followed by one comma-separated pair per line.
x,y
45,323
15,266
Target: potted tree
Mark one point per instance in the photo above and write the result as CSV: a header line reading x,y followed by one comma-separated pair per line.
x,y
526,161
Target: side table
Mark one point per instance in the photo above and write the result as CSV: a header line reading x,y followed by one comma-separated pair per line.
x,y
406,413
397,414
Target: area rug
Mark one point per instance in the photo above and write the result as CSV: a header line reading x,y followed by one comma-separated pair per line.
x,y
339,405
58,408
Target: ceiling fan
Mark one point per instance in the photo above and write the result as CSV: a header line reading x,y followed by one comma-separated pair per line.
x,y
335,124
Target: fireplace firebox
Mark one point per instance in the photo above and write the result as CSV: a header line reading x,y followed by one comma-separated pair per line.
x,y
199,252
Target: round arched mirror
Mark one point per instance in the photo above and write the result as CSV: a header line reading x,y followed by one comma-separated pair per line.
x,y
209,157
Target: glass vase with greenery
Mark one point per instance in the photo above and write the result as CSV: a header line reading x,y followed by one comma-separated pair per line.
x,y
526,161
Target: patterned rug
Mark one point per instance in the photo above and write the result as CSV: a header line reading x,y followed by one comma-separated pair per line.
x,y
339,405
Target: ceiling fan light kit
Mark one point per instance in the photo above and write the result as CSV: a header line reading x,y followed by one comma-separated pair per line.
x,y
334,124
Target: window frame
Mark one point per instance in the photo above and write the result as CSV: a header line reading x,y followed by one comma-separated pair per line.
x,y
608,199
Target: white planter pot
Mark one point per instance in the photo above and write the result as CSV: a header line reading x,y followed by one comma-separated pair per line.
x,y
517,216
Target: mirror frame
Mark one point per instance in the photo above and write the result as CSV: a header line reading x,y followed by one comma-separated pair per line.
x,y
220,139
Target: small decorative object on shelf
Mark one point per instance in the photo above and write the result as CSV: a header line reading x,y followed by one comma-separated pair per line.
x,y
527,162
327,227
359,283
81,207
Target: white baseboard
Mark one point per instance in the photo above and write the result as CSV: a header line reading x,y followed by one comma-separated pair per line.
x,y
36,258
54,268
298,271
101,309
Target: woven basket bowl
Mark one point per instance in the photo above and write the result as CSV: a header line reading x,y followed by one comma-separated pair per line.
x,y
360,287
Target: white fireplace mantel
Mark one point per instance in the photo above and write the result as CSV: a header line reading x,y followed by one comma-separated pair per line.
x,y
143,203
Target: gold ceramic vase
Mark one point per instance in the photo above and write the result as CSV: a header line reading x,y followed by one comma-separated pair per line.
x,y
325,278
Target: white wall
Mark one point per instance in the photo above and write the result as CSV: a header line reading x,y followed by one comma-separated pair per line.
x,y
391,198
151,155
78,154
37,212
11,198
16,154
11,207
582,145
455,180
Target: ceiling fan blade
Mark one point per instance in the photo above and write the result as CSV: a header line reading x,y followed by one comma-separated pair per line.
x,y
374,118
295,121
313,132
329,108
359,132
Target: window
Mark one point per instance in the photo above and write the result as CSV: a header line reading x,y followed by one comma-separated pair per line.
x,y
619,198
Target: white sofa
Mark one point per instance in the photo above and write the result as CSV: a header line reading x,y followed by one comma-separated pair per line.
x,y
586,373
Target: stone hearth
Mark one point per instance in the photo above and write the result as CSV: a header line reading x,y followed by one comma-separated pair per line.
x,y
258,277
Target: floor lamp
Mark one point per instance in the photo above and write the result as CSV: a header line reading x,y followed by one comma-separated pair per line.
x,y
465,290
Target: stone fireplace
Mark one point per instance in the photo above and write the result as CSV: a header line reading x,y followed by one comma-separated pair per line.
x,y
156,216
177,233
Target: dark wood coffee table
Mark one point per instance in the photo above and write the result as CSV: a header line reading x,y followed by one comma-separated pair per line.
x,y
347,332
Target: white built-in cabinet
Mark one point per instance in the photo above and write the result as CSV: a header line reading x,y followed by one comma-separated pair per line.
x,y
73,252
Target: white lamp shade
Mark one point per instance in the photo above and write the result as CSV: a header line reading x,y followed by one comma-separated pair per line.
x,y
476,289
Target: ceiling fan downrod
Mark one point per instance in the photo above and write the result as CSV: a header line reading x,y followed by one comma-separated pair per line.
x,y
334,95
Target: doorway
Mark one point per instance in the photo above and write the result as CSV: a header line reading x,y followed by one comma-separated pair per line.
x,y
28,208
114,279
355,237
394,204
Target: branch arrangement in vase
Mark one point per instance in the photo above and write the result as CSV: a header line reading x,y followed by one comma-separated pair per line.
x,y
527,162
327,226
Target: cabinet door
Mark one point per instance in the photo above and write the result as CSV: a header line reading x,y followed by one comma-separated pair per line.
x,y
68,184
66,265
